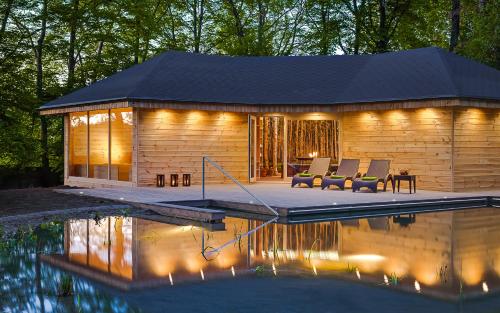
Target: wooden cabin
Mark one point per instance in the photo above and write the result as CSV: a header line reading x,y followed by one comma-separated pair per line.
x,y
432,112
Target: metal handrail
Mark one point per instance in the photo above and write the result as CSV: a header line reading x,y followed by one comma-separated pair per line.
x,y
217,166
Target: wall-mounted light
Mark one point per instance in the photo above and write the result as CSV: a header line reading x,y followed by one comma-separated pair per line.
x,y
160,180
186,180
174,180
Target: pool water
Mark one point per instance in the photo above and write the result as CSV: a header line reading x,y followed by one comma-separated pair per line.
x,y
453,256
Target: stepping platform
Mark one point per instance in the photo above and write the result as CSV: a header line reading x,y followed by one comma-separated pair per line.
x,y
185,212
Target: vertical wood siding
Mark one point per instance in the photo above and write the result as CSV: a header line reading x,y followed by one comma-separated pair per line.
x,y
477,149
416,139
174,141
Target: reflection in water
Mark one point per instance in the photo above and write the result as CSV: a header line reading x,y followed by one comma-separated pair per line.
x,y
29,285
444,253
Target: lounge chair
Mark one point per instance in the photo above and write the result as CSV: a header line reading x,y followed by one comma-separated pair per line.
x,y
348,170
319,167
378,172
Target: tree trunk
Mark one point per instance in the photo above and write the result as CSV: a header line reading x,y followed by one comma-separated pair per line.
x,y
240,32
40,96
455,24
98,59
197,11
357,24
260,28
72,43
5,18
383,41
324,32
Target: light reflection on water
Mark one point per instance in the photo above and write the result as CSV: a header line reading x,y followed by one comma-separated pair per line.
x,y
446,254
443,253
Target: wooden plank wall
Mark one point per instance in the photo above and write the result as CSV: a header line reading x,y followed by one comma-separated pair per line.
x,y
477,149
418,250
174,141
476,245
416,139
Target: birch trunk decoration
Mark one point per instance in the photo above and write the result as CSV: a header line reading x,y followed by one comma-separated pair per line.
x,y
308,138
271,131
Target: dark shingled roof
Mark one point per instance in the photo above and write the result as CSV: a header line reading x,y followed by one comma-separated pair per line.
x,y
427,73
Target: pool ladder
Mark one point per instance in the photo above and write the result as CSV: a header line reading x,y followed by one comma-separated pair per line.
x,y
204,251
207,159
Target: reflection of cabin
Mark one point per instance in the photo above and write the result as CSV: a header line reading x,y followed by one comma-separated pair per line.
x,y
427,110
438,249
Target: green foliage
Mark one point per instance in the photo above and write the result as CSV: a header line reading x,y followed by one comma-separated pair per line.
x,y
109,36
65,286
260,270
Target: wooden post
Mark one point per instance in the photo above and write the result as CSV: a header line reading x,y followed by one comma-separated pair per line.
x,y
66,146
88,144
275,123
285,147
135,147
109,144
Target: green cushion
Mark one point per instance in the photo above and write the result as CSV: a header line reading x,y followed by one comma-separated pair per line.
x,y
369,178
305,175
337,176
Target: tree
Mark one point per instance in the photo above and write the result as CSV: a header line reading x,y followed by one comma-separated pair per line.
x,y
455,24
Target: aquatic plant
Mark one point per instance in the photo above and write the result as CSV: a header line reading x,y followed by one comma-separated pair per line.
x,y
125,212
308,258
260,270
351,269
97,217
393,279
442,274
65,286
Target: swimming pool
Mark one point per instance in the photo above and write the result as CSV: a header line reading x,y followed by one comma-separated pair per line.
x,y
447,255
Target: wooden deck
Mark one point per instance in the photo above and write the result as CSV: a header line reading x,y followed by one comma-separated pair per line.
x,y
293,201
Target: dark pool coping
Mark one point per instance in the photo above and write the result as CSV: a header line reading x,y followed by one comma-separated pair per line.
x,y
342,211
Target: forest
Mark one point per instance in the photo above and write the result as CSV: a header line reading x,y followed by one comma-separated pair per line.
x,y
51,47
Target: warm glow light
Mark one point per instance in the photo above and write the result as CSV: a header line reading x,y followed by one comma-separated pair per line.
x,y
386,280
428,113
274,270
194,116
364,258
485,287
396,115
472,270
358,274
232,271
417,286
202,274
315,271
171,279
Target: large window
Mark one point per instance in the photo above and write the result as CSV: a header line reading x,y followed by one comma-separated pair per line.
x,y
100,137
78,127
98,144
121,144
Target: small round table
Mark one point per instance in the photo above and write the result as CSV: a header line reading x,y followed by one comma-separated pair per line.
x,y
412,180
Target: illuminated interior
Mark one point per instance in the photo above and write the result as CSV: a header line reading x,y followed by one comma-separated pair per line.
x,y
310,138
109,134
121,144
78,127
98,144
